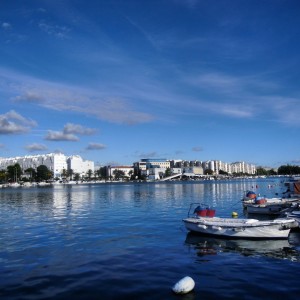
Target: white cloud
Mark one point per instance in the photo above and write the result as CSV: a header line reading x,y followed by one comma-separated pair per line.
x,y
30,96
14,123
60,32
78,129
148,155
36,147
6,25
60,136
197,149
69,133
95,146
54,96
208,93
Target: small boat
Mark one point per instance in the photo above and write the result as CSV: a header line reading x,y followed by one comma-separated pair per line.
x,y
254,204
295,215
268,208
237,228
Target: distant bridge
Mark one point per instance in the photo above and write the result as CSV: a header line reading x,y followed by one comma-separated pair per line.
x,y
179,175
171,177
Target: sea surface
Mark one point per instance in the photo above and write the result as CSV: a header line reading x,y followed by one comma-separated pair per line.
x,y
127,241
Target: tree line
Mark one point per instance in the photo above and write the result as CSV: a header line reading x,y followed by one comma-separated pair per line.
x,y
14,173
282,170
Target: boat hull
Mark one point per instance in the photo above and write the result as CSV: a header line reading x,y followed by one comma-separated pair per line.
x,y
273,206
246,229
273,209
296,216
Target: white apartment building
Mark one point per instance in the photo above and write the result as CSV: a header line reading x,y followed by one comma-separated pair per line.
x,y
209,165
55,162
193,170
220,165
147,166
242,167
80,166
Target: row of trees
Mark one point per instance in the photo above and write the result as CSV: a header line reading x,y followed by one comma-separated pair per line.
x,y
14,173
282,170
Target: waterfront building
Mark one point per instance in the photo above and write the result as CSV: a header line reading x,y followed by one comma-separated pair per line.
x,y
139,166
156,163
154,168
128,171
176,163
221,166
156,173
193,170
242,167
55,162
80,166
208,165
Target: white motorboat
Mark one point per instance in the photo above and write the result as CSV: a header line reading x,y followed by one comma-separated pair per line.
x,y
239,228
267,206
295,215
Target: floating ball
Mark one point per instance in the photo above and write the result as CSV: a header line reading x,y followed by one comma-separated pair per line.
x,y
234,214
184,285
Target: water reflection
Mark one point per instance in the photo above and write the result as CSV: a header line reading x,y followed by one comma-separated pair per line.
x,y
278,249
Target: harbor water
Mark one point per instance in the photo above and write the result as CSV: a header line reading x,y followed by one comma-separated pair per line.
x,y
127,241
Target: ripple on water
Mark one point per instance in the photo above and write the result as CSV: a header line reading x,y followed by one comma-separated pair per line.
x,y
128,242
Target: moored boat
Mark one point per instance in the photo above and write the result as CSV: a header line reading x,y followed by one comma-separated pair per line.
x,y
269,206
239,228
295,215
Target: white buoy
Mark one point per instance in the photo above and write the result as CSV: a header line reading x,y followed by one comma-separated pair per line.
x,y
184,285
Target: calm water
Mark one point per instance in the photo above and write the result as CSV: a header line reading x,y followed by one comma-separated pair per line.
x,y
127,241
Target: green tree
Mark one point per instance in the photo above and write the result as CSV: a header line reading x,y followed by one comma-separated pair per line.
x,y
70,173
77,177
221,172
89,174
43,173
31,172
168,172
288,170
64,173
102,172
208,172
14,172
131,174
3,175
272,172
261,171
118,174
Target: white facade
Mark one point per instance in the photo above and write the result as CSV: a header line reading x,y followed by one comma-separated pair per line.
x,y
156,173
193,170
80,166
55,162
209,165
196,167
128,170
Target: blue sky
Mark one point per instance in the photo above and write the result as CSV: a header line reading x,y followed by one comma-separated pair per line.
x,y
116,81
